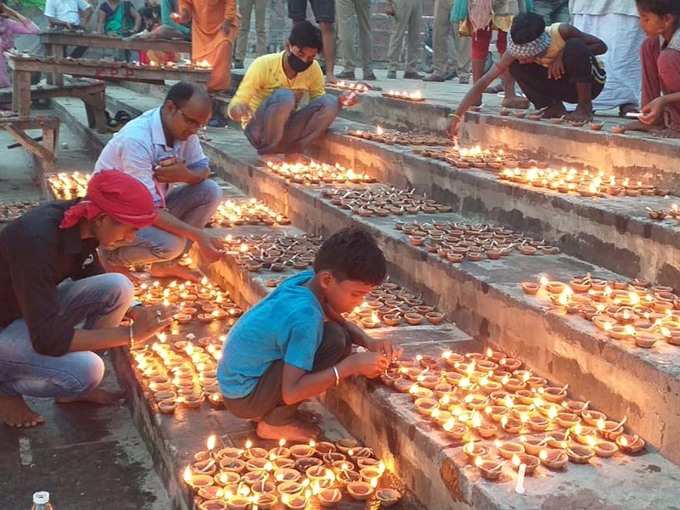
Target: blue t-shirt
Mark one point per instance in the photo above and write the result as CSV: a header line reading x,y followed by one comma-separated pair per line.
x,y
287,325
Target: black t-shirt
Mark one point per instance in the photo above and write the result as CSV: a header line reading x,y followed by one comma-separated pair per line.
x,y
35,256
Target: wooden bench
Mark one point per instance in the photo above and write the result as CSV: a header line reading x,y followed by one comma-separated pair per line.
x,y
55,42
91,92
44,150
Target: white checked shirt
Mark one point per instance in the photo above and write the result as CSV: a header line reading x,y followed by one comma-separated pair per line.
x,y
139,147
67,11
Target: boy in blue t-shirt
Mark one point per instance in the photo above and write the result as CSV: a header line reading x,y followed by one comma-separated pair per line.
x,y
294,344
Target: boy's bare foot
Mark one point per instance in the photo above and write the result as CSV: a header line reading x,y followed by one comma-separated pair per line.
x,y
579,116
14,411
294,431
96,396
636,125
174,270
669,133
554,111
516,102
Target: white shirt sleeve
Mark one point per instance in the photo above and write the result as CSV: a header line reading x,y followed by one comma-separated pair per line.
x,y
51,8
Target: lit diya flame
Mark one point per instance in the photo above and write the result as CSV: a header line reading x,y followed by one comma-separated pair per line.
x,y
188,476
379,131
212,441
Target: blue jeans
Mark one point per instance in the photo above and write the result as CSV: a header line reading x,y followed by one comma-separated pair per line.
x,y
92,303
193,204
277,128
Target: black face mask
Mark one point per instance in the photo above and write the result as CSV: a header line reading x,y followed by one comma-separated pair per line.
x,y
297,64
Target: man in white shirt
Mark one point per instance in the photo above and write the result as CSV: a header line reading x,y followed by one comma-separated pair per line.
x,y
161,148
69,14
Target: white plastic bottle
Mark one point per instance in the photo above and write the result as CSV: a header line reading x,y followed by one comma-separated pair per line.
x,y
41,501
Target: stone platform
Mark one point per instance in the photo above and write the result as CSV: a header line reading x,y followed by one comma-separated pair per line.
x,y
485,300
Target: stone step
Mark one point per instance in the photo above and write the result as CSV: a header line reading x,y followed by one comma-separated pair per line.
x,y
613,232
485,299
434,468
392,427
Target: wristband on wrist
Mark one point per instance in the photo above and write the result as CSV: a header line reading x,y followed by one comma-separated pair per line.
x,y
132,337
337,375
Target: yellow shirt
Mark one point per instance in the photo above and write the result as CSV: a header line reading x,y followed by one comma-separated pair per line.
x,y
265,75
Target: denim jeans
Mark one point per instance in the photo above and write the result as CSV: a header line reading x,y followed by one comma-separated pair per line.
x,y
91,303
277,128
193,204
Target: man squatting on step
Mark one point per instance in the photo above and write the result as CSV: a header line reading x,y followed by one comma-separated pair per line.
x,y
294,344
267,99
57,306
161,148
552,65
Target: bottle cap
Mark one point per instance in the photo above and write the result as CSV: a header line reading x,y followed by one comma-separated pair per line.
x,y
41,498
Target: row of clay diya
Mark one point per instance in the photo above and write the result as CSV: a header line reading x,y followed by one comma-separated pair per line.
x,y
232,213
179,372
580,182
202,66
10,211
391,137
353,86
492,406
68,185
202,302
664,214
415,96
273,253
538,116
624,310
457,242
296,476
315,172
381,200
470,157
392,305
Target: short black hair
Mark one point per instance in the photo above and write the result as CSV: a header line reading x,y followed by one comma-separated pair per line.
x,y
352,254
659,7
306,35
181,92
527,27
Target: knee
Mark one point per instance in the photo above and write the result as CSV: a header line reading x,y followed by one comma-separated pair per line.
x,y
171,248
576,48
284,97
211,191
85,373
337,340
120,290
648,47
667,64
329,105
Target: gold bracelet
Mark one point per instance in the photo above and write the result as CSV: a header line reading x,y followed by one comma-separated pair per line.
x,y
454,115
337,375
132,338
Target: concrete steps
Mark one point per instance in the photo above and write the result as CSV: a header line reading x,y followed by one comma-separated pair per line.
x,y
613,232
485,300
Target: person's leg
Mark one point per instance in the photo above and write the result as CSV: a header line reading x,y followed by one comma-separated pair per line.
x,y
260,27
78,51
414,49
309,123
346,35
297,10
539,89
561,13
266,128
220,78
399,24
511,99
245,8
91,303
544,9
479,51
651,81
462,49
195,204
440,34
363,10
669,75
324,12
578,83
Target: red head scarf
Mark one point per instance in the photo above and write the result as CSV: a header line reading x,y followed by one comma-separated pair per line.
x,y
116,194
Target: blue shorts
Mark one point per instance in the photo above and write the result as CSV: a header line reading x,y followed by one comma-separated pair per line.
x,y
324,10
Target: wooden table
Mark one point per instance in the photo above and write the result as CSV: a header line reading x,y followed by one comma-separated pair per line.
x,y
55,42
45,150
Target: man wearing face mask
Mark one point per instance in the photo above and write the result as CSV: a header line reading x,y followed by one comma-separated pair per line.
x,y
273,88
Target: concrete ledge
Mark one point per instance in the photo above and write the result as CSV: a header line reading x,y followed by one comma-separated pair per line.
x,y
615,232
485,300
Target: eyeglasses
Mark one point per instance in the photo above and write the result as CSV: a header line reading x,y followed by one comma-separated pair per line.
x,y
192,123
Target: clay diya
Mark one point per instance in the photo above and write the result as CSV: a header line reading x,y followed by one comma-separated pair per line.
x,y
604,449
387,497
508,449
490,469
630,444
530,461
554,459
213,504
360,490
328,498
579,454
